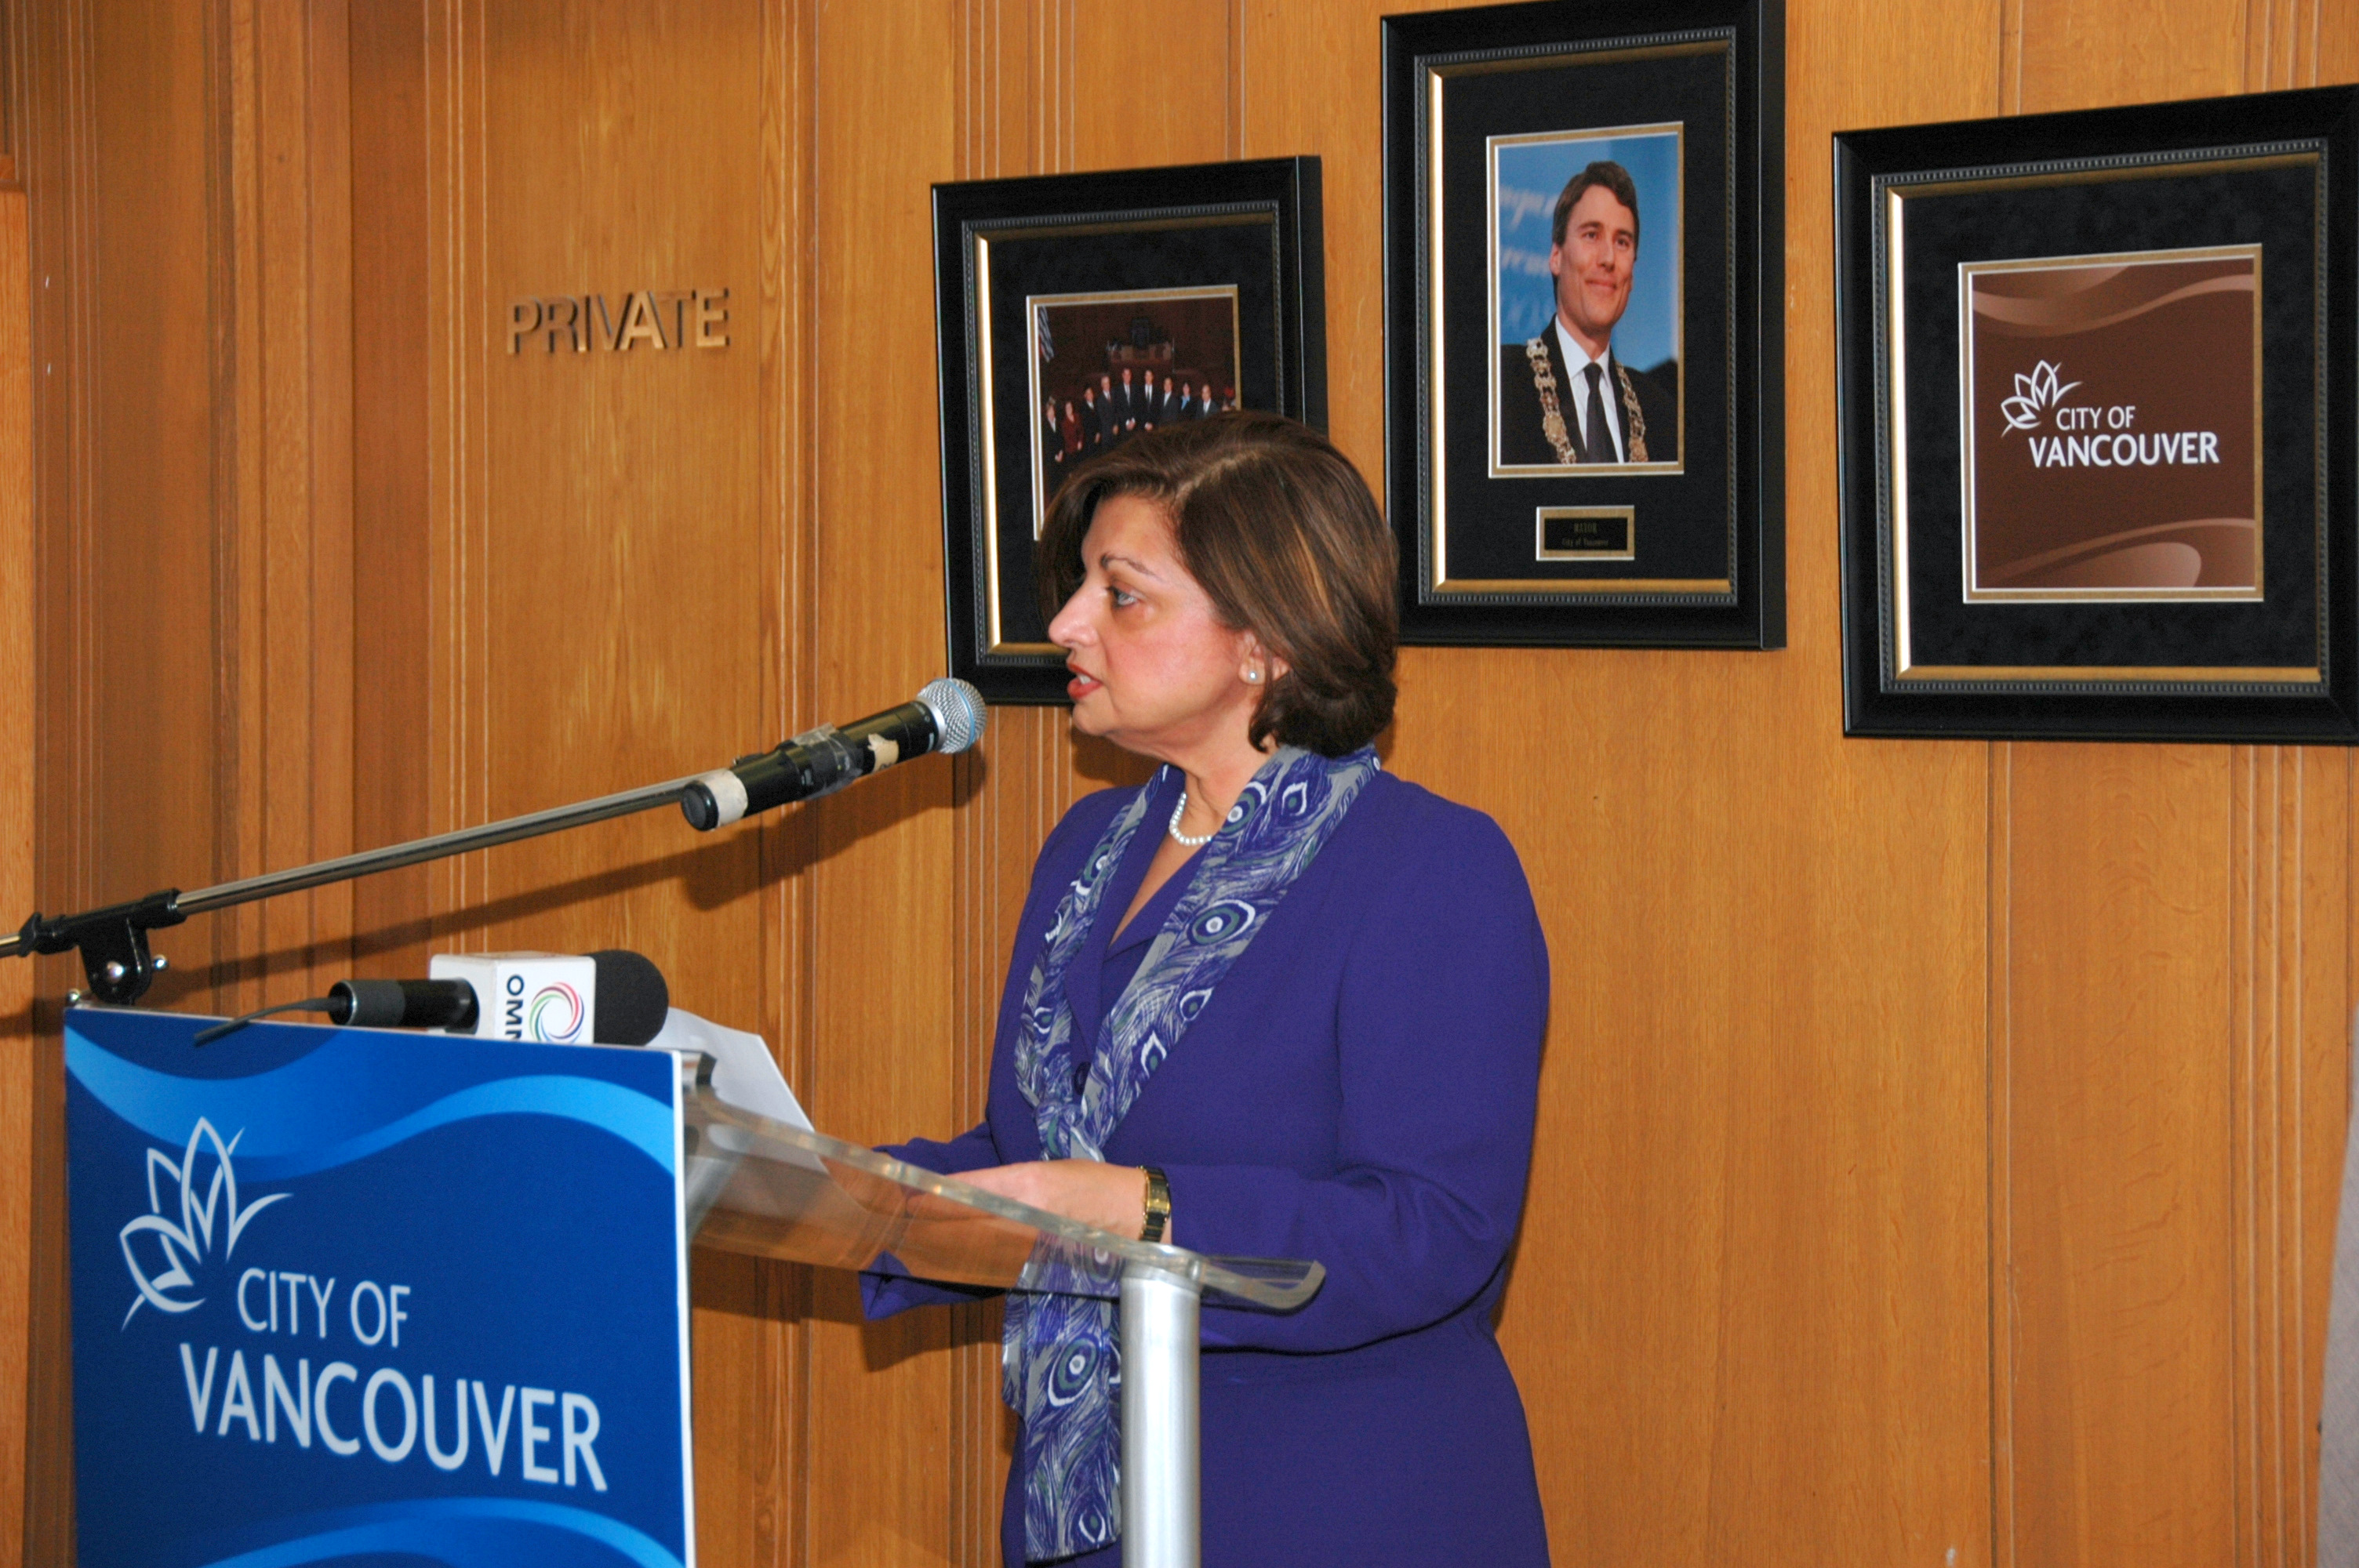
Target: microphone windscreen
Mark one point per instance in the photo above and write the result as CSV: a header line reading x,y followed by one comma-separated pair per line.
x,y
632,998
959,713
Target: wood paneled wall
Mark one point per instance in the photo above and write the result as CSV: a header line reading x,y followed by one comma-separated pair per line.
x,y
20,1051
1937,1139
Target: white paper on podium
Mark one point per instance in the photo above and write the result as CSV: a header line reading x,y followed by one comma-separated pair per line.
x,y
747,1076
743,1072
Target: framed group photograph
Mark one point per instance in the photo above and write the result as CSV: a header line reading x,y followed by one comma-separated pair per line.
x,y
1074,312
2097,377
1584,296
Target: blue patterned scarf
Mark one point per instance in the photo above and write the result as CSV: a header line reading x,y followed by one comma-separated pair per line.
x,y
1060,1365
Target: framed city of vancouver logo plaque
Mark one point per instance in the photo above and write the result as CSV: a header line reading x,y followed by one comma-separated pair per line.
x,y
1584,309
2095,387
2132,479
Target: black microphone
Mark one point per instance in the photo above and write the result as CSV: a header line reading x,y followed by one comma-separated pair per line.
x,y
632,1002
373,1004
403,1004
948,716
633,999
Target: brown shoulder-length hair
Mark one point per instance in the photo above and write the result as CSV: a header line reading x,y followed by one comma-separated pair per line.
x,y
1280,529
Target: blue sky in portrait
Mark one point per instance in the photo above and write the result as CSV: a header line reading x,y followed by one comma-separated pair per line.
x,y
1530,174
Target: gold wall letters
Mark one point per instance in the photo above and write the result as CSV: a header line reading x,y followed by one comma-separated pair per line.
x,y
659,318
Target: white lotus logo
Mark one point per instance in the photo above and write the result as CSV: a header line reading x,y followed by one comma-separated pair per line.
x,y
2034,395
181,1245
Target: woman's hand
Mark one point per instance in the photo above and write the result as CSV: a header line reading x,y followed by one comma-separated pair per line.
x,y
1111,1198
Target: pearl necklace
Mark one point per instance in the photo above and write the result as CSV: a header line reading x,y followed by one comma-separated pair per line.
x,y
1181,839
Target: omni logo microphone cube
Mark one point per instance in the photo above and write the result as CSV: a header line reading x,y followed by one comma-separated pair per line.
x,y
547,997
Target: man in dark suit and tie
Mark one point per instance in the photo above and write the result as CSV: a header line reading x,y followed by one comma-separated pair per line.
x,y
1109,421
1564,398
1126,407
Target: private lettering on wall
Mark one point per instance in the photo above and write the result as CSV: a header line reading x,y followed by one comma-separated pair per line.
x,y
644,318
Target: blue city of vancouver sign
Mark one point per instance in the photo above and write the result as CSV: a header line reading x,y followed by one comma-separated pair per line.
x,y
352,1296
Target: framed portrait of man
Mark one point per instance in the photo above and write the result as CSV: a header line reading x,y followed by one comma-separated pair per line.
x,y
1585,293
1075,312
1587,318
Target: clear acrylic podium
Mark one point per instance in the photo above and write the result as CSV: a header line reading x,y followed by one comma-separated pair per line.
x,y
762,1187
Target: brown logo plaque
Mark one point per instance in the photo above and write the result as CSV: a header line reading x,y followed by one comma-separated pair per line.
x,y
2111,425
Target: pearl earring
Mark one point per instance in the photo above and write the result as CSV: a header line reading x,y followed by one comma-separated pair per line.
x,y
1253,677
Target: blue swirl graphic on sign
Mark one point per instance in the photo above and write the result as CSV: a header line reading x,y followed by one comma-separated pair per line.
x,y
464,1533
285,1102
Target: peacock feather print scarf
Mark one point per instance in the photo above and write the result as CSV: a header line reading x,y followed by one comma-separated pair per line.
x,y
1060,1361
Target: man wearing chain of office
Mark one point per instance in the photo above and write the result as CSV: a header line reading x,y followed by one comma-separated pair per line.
x,y
1564,398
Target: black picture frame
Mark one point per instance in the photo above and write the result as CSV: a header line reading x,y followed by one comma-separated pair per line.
x,y
1490,117
2192,640
1222,263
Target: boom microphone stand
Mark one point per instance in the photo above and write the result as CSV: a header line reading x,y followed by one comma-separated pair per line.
x,y
948,716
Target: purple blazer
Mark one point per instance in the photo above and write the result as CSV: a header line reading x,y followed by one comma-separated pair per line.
x,y
1360,1090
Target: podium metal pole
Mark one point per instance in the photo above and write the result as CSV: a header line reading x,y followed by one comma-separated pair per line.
x,y
1161,1451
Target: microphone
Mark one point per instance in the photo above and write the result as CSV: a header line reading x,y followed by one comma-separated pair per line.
x,y
947,717
403,1004
611,998
620,994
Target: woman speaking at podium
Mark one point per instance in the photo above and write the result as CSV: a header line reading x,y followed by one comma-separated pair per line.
x,y
1280,997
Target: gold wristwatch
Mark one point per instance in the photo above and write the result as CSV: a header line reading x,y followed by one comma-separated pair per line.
x,y
1158,1206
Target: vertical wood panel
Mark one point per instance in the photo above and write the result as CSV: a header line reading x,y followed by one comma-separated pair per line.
x,y
2117,1165
54,159
282,456
235,330
2336,28
1999,992
21,1055
149,647
2083,54
457,316
2281,39
751,1317
2288,1084
1334,110
1143,96
305,426
390,550
884,1062
1016,116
